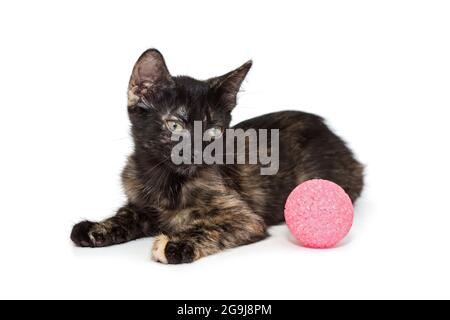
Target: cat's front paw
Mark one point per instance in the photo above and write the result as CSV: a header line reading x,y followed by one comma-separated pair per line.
x,y
80,234
89,234
172,252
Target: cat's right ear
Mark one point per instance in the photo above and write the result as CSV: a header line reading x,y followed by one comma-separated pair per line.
x,y
150,76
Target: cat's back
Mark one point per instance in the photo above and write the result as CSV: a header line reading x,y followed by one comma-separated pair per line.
x,y
281,120
308,149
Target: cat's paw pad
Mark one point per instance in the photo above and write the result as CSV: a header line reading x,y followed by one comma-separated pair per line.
x,y
81,234
179,252
89,234
172,252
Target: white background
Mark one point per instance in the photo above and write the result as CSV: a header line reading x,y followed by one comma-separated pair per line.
x,y
379,71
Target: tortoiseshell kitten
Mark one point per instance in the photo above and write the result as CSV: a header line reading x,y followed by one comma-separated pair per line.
x,y
198,210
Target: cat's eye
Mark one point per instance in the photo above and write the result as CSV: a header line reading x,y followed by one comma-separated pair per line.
x,y
175,126
214,132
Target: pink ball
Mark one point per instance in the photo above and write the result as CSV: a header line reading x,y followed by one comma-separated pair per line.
x,y
319,213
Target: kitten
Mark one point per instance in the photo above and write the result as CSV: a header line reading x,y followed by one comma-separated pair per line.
x,y
198,210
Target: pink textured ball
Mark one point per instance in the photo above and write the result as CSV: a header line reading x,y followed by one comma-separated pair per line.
x,y
319,213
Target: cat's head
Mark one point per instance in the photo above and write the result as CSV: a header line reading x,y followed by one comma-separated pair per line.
x,y
160,105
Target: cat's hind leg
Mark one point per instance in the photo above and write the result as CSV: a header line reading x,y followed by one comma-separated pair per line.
x,y
128,224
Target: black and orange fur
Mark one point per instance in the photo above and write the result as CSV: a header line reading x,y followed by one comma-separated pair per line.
x,y
198,210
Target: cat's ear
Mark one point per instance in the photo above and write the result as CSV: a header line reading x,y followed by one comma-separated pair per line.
x,y
225,88
150,76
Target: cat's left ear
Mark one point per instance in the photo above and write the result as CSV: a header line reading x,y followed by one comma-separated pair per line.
x,y
225,88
